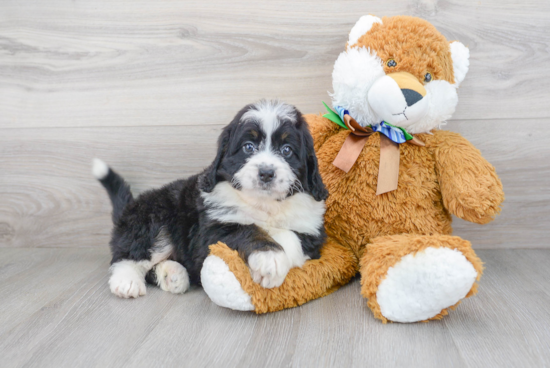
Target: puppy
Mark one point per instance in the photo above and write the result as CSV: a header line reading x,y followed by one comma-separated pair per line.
x,y
262,196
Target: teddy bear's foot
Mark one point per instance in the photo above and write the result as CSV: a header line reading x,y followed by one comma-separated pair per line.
x,y
416,278
221,285
421,285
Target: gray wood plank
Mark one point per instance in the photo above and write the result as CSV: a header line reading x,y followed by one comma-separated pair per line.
x,y
330,327
154,63
506,324
520,154
101,334
84,326
222,338
48,197
36,277
509,319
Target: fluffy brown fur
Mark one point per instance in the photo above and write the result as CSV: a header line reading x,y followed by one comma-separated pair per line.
x,y
415,44
447,176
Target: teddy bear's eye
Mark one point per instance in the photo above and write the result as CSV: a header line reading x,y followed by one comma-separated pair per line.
x,y
391,63
428,77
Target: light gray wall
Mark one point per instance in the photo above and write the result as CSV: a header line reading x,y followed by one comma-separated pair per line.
x,y
146,86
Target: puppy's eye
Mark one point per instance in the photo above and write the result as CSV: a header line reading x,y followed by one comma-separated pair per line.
x,y
286,150
428,77
391,63
249,147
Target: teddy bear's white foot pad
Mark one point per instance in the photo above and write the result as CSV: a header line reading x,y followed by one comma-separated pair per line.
x,y
421,285
222,286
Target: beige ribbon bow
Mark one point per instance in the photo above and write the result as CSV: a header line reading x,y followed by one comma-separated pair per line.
x,y
388,171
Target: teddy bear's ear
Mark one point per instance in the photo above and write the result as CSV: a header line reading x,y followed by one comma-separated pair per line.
x,y
460,55
363,25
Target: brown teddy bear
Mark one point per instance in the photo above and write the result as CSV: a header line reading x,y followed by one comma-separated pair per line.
x,y
394,180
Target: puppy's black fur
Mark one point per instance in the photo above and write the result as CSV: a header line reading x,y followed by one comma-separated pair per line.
x,y
180,211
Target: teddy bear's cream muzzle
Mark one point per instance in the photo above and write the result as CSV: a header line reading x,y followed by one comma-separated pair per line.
x,y
399,99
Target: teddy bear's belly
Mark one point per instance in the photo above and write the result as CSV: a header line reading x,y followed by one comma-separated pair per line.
x,y
356,214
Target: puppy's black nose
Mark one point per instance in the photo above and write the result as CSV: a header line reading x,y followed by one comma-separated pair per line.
x,y
411,96
266,174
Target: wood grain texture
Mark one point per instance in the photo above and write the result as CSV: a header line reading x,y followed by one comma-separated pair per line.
x,y
146,85
48,197
78,322
520,154
24,276
146,62
513,295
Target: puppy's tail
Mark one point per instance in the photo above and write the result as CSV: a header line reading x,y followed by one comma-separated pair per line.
x,y
117,188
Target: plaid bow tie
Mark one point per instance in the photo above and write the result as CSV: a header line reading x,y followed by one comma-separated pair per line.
x,y
395,134
388,172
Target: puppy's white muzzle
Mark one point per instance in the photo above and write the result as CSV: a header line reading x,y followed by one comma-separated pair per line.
x,y
399,99
251,175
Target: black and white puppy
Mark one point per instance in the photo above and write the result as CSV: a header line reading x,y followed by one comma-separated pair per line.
x,y
262,196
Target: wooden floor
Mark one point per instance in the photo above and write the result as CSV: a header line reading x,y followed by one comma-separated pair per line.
x,y
57,311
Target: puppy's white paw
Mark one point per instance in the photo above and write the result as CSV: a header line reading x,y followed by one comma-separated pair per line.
x,y
172,277
269,268
127,280
126,287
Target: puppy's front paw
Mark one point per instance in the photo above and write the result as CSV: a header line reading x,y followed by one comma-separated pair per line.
x,y
131,287
126,280
172,277
269,268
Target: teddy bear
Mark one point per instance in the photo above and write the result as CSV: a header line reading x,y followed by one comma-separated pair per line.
x,y
394,178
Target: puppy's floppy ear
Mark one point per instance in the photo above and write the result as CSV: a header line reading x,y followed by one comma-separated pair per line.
x,y
209,178
314,184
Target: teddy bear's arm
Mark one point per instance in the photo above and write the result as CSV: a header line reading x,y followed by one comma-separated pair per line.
x,y
316,278
321,128
469,184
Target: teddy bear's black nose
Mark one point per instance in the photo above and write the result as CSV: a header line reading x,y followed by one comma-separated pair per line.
x,y
411,96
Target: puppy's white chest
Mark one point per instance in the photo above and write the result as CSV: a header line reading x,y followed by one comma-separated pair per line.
x,y
290,243
299,213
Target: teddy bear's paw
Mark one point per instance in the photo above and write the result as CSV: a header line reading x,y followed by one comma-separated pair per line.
x,y
269,268
421,285
222,287
172,277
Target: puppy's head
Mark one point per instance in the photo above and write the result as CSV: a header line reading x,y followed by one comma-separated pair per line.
x,y
266,151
